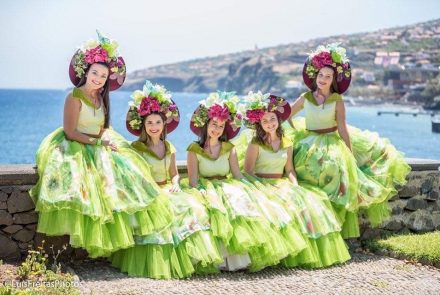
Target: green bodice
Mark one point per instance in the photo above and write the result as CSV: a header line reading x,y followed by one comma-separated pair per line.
x,y
270,161
159,166
320,116
90,120
208,166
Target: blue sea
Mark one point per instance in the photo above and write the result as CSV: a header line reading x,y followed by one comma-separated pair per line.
x,y
27,116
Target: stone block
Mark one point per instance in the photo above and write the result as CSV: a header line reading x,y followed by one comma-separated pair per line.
x,y
393,225
6,189
3,205
436,219
5,218
3,196
9,249
12,229
32,227
24,235
20,202
433,195
427,185
409,191
420,221
397,206
416,203
25,218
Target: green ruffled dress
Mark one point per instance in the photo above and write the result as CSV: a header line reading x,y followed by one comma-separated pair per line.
x,y
182,248
359,181
96,196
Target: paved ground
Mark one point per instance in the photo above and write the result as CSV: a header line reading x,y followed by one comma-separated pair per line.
x,y
364,274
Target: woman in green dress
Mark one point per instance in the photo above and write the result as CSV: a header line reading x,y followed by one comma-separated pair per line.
x,y
187,244
245,234
92,185
269,166
357,169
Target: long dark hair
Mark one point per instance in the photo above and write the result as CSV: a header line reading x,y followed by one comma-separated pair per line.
x,y
145,138
261,135
204,135
333,86
104,94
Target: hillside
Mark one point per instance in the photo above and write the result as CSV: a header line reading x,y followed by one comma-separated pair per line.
x,y
278,68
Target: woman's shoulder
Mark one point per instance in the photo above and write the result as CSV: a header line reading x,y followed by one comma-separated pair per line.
x,y
226,147
171,149
194,147
78,95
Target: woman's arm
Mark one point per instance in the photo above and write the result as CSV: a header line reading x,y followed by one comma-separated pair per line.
x,y
289,168
193,169
233,163
342,125
251,158
174,174
296,106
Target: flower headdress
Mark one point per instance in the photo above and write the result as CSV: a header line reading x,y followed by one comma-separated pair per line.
x,y
221,105
100,50
153,98
256,104
331,55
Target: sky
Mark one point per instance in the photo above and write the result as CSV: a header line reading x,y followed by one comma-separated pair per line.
x,y
38,38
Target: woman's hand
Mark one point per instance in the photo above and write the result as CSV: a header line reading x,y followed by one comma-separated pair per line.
x,y
110,144
175,188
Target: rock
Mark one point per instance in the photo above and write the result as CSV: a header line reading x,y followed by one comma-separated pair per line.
x,y
24,246
32,227
409,191
25,218
436,219
12,229
8,189
416,203
370,233
20,202
393,225
9,249
3,196
397,206
420,221
433,195
426,186
3,205
5,218
24,235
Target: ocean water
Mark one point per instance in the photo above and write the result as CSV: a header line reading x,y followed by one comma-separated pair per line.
x,y
27,116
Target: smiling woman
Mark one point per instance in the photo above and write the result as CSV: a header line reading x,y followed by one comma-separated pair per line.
x,y
92,185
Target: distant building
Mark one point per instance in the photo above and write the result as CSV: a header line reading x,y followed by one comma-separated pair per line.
x,y
385,59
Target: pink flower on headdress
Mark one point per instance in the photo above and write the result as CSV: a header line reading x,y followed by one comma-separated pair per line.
x,y
254,116
97,54
345,66
322,59
172,107
148,106
217,111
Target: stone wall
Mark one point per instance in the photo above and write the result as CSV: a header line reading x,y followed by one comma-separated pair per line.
x,y
415,209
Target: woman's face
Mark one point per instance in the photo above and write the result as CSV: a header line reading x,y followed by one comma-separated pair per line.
x,y
269,122
324,79
216,127
97,76
154,125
